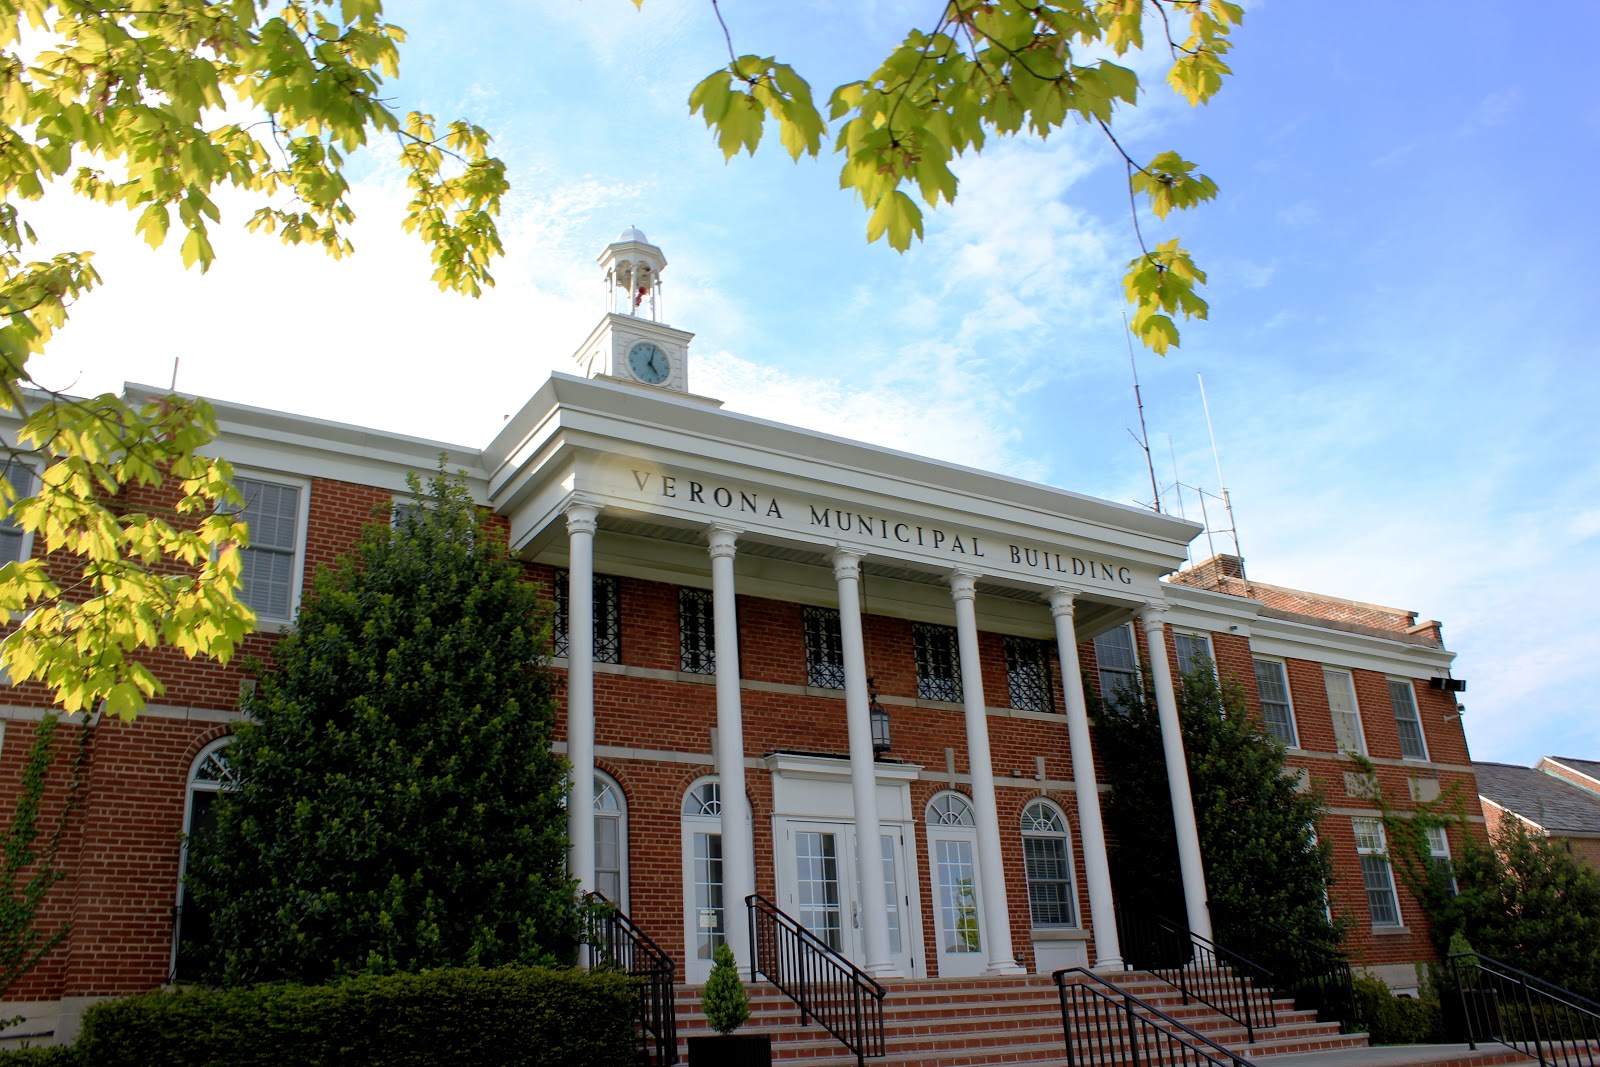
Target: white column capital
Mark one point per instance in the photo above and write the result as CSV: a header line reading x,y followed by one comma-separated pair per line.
x,y
723,540
846,564
1062,602
582,517
963,584
1154,617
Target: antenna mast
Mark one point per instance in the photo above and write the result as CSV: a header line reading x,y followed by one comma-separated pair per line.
x,y
1227,501
1144,435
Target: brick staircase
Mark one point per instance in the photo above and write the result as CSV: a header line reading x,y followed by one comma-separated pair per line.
x,y
971,1022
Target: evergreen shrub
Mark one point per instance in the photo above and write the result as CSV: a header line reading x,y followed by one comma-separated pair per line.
x,y
725,1001
1392,1020
466,1017
46,1056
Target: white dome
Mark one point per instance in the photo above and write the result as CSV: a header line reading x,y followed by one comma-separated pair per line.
x,y
633,233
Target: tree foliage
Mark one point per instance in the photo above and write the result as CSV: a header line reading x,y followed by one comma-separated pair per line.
x,y
994,68
724,999
399,806
156,107
1266,872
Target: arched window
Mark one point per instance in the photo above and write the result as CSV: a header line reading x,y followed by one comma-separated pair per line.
x,y
209,775
610,840
952,855
950,809
704,915
1047,860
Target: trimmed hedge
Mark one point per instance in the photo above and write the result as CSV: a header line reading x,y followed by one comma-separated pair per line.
x,y
44,1056
466,1017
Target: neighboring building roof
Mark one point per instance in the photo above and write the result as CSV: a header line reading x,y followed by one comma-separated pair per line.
x,y
1540,798
1586,768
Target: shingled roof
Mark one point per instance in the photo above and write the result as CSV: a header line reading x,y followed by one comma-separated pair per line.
x,y
1540,798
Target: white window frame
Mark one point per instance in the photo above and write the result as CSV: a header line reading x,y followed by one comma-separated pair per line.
x,y
1288,697
604,781
1064,835
1180,636
1108,693
1372,830
271,623
1439,849
1355,707
25,542
1416,717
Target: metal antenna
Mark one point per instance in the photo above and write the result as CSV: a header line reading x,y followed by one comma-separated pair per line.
x,y
1177,484
173,388
1227,501
1144,435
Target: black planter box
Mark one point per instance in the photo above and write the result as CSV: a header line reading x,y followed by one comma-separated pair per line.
x,y
731,1050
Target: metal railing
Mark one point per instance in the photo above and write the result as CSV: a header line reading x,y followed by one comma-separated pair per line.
x,y
842,998
613,941
1315,973
1106,1026
1201,970
1500,1003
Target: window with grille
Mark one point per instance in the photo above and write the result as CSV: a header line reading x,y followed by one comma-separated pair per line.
x,y
824,648
209,776
1373,850
1273,686
607,617
938,661
1028,674
697,648
1194,651
1347,730
15,542
610,840
1118,665
267,582
1439,852
1048,865
1406,719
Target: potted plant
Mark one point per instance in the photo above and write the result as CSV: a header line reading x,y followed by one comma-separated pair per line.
x,y
727,1007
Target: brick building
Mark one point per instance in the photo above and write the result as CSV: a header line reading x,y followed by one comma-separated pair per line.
x,y
878,654
1558,797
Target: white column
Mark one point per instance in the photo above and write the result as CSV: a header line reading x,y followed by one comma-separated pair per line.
x,y
738,849
581,523
991,869
1189,862
863,769
1091,831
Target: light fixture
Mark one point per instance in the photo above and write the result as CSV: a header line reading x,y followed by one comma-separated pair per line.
x,y
1448,685
880,719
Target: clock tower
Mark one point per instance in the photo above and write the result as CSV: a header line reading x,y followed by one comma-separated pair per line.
x,y
631,343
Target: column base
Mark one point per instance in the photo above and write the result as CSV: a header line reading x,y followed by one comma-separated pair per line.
x,y
1109,966
884,970
1004,967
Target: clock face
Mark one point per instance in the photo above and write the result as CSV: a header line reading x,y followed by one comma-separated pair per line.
x,y
648,363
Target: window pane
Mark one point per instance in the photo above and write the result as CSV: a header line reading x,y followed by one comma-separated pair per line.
x,y
696,632
891,893
1118,664
607,617
11,536
958,897
1380,891
1192,648
1407,721
1273,686
1028,674
824,647
938,662
273,515
1346,716
1049,880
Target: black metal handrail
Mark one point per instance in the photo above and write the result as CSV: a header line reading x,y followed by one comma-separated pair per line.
x,y
614,941
843,999
1522,1011
1200,968
1105,1026
1315,973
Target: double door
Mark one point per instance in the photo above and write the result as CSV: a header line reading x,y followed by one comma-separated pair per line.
x,y
819,884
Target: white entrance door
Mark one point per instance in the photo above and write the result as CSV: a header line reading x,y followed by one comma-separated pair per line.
x,y
958,909
820,887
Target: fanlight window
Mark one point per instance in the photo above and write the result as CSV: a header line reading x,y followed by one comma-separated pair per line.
x,y
703,799
950,809
1047,864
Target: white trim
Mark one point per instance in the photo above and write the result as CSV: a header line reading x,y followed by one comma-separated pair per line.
x,y
1355,707
267,624
190,788
1416,710
25,543
1382,852
1288,692
601,777
1065,837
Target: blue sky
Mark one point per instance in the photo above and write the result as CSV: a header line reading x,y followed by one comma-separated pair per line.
x,y
1399,360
